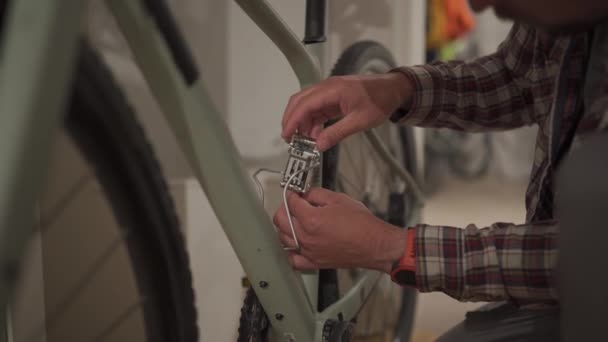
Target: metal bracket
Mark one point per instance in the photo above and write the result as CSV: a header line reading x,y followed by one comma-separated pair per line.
x,y
303,159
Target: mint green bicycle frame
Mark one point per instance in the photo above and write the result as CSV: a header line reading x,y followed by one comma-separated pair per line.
x,y
36,62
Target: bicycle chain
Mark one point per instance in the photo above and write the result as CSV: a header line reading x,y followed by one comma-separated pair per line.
x,y
254,324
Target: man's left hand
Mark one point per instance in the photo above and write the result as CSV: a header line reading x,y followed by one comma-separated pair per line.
x,y
335,231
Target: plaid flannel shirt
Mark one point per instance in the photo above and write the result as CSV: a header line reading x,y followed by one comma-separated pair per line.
x,y
531,78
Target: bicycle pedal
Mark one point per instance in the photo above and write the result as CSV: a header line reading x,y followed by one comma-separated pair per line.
x,y
304,159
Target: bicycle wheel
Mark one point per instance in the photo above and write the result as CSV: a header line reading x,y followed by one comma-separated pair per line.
x,y
353,167
388,314
113,261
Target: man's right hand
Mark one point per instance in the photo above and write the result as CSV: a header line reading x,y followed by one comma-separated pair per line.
x,y
364,101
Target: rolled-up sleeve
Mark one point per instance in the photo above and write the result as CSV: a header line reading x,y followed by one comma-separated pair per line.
x,y
501,262
508,89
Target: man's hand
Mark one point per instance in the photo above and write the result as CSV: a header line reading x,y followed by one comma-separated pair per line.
x,y
365,101
335,231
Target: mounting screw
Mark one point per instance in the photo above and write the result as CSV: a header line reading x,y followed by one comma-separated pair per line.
x,y
279,316
263,284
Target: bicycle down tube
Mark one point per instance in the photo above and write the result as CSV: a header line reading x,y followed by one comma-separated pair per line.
x,y
306,69
206,141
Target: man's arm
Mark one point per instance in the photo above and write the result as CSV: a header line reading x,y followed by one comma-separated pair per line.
x,y
503,261
510,88
507,89
500,262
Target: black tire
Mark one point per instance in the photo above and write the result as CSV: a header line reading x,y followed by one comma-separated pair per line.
x,y
101,127
104,127
371,57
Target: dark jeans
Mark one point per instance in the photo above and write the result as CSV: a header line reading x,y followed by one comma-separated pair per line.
x,y
505,322
582,203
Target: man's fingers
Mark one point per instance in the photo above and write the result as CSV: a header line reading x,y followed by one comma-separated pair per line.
x,y
311,106
313,128
293,101
320,197
300,262
282,222
287,240
298,206
305,128
335,133
316,130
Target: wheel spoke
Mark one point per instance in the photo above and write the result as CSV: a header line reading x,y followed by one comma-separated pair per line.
x,y
362,163
379,162
376,193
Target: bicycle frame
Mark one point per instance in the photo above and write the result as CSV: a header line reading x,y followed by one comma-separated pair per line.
x,y
44,51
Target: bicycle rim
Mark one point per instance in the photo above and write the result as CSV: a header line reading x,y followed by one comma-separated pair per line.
x,y
354,167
